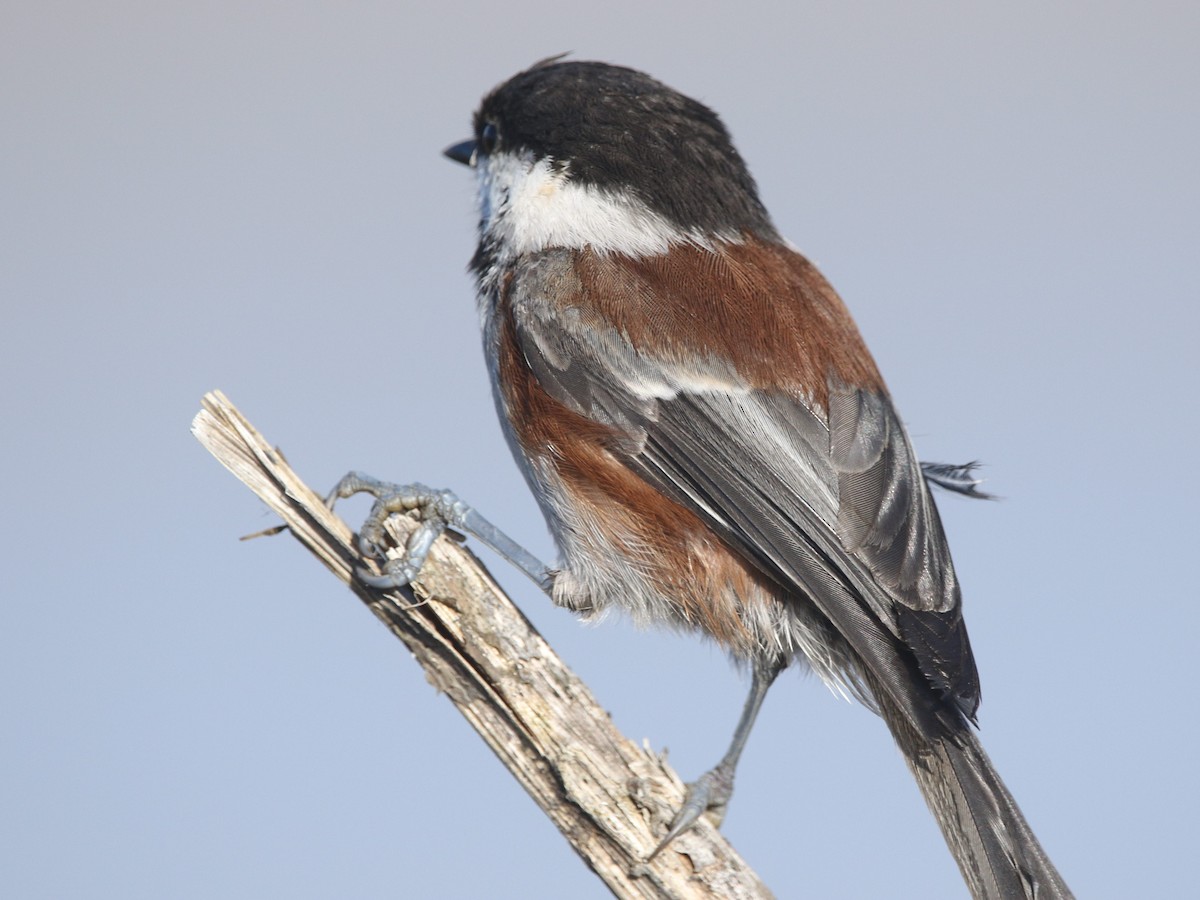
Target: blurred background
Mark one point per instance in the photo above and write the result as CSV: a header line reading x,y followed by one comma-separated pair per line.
x,y
250,196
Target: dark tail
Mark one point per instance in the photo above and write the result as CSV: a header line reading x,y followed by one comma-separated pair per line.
x,y
997,852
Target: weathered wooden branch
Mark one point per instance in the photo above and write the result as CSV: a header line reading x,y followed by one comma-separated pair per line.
x,y
610,798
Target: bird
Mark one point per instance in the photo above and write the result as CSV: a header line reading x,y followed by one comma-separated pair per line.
x,y
710,441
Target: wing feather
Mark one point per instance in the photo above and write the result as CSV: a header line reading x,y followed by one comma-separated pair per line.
x,y
832,505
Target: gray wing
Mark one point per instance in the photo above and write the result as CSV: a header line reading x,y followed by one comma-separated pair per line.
x,y
834,507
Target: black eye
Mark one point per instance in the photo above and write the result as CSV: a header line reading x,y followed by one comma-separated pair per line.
x,y
488,138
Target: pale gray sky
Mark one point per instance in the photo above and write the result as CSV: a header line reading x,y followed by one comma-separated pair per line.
x,y
251,196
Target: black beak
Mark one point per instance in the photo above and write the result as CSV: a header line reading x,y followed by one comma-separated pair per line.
x,y
462,153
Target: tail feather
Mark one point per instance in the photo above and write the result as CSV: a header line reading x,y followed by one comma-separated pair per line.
x,y
996,850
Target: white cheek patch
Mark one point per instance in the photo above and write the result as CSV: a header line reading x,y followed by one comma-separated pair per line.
x,y
527,206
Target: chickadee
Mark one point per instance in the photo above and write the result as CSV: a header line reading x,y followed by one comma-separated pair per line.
x,y
709,439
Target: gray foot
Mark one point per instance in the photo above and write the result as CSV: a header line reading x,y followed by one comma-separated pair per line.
x,y
433,510
708,793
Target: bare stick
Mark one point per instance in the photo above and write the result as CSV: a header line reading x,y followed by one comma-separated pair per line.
x,y
610,798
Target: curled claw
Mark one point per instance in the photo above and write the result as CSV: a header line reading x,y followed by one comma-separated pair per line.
x,y
396,574
350,484
371,543
435,511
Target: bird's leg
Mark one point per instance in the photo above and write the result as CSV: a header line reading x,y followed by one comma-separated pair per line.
x,y
435,511
712,790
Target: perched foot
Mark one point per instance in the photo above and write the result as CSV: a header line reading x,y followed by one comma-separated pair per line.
x,y
711,791
714,788
434,512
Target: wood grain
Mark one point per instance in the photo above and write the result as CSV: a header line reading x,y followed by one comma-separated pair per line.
x,y
610,798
